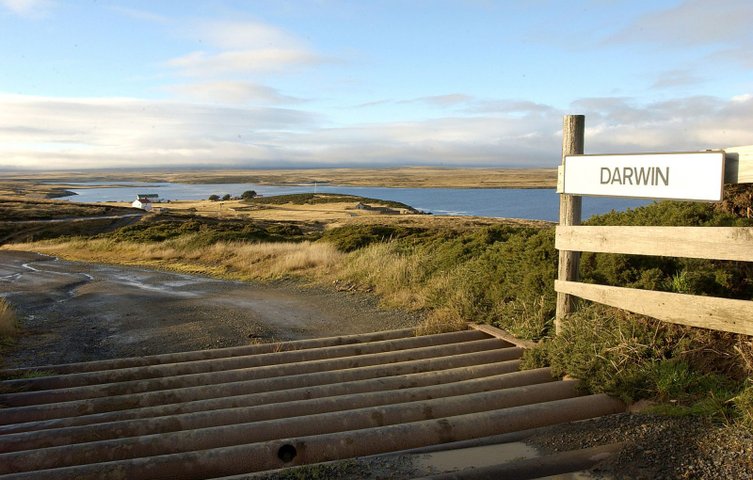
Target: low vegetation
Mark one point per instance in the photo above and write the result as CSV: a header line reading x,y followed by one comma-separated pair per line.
x,y
499,273
14,209
8,323
323,198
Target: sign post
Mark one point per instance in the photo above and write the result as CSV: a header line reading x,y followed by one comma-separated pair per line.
x,y
573,133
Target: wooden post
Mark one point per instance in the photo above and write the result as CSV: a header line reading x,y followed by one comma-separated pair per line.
x,y
573,128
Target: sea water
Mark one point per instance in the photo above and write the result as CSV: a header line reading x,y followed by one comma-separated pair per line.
x,y
527,203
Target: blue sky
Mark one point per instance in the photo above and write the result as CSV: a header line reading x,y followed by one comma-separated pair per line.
x,y
219,83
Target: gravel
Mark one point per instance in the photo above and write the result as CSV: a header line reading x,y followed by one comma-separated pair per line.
x,y
658,447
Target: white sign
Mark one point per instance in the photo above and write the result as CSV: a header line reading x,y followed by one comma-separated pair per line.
x,y
679,176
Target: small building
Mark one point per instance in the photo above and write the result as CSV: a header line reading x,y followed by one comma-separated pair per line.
x,y
153,197
143,203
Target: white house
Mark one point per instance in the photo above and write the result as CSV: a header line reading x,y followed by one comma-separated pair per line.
x,y
143,203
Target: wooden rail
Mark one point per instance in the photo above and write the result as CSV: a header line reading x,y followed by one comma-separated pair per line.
x,y
723,314
712,243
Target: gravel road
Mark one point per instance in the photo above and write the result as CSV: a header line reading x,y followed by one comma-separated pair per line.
x,y
72,311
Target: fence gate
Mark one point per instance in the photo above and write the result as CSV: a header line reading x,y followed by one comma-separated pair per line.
x,y
696,176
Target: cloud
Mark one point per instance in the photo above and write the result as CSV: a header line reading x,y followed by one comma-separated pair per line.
x,y
231,92
54,133
615,125
692,22
242,47
141,15
28,8
509,106
449,100
676,78
201,63
722,26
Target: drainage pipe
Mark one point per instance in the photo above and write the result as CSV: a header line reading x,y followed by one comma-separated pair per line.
x,y
411,380
229,435
255,413
260,456
124,402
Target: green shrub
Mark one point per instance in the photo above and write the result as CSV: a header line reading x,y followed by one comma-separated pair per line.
x,y
353,237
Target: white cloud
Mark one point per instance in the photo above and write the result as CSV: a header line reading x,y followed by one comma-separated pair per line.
x,y
238,47
142,15
115,132
449,100
27,8
231,92
203,64
676,78
692,22
50,133
242,35
721,27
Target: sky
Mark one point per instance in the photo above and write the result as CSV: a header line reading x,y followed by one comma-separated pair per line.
x,y
366,83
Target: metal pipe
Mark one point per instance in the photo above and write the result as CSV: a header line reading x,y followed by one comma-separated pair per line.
x,y
124,402
227,376
164,358
259,412
280,453
251,432
411,380
237,362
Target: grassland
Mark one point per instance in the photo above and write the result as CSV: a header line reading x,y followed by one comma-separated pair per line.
x,y
305,208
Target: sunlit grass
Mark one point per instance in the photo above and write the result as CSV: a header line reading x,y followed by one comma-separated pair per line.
x,y
8,322
251,261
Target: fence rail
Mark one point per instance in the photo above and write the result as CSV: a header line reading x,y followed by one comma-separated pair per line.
x,y
712,243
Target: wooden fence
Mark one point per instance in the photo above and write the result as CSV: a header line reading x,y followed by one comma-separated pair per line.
x,y
717,243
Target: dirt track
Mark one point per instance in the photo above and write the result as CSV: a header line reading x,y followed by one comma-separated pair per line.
x,y
77,311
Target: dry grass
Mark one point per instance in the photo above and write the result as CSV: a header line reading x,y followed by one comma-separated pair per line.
x,y
440,321
245,261
331,213
8,321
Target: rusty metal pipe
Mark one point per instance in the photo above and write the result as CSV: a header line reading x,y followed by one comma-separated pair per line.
x,y
123,402
229,435
128,362
260,412
280,453
237,362
411,380
228,376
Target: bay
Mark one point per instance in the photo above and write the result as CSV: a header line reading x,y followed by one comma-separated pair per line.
x,y
532,204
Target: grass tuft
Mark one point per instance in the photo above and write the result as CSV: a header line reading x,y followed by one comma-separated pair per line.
x,y
9,328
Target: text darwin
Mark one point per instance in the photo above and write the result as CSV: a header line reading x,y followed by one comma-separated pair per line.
x,y
635,176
